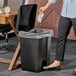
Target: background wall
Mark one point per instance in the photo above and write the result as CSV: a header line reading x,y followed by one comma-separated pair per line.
x,y
14,3
51,18
1,3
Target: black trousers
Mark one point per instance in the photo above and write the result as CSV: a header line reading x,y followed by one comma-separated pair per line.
x,y
65,25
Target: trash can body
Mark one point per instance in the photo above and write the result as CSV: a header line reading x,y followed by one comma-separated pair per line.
x,y
35,52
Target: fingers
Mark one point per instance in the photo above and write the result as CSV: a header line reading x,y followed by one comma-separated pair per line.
x,y
42,9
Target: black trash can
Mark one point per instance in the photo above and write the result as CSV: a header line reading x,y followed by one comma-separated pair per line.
x,y
35,49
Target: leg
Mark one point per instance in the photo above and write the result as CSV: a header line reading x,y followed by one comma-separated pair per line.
x,y
74,24
63,31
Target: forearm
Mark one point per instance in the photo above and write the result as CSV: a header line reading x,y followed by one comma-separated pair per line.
x,y
48,5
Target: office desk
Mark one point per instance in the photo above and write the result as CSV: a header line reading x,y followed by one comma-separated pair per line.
x,y
9,19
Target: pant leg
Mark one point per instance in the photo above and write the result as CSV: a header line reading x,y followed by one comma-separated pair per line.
x,y
74,24
63,31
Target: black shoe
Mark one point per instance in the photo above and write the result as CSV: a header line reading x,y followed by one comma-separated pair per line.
x,y
74,72
52,68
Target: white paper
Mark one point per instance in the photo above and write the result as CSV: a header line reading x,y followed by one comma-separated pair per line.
x,y
40,17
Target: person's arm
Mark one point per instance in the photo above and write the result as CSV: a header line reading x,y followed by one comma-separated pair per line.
x,y
49,3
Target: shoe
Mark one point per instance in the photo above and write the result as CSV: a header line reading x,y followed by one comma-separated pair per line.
x,y
52,68
74,72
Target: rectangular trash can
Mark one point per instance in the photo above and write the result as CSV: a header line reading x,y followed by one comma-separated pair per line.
x,y
35,49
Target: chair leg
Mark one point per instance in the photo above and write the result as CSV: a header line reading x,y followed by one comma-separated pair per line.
x,y
6,45
6,40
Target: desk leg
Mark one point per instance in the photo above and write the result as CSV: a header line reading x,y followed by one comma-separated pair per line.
x,y
12,25
14,59
14,63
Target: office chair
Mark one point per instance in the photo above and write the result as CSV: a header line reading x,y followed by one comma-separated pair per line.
x,y
4,29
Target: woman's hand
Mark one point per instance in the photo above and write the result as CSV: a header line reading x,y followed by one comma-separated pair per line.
x,y
42,9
